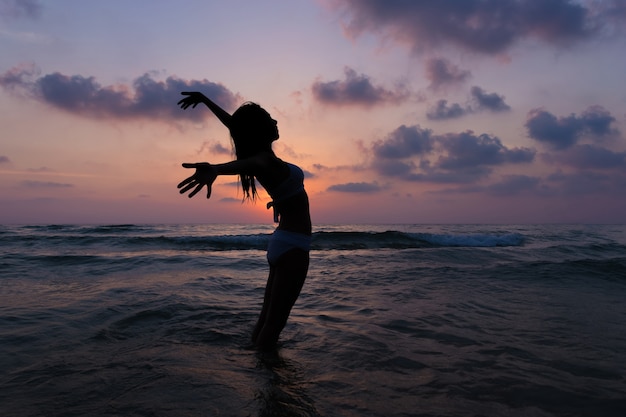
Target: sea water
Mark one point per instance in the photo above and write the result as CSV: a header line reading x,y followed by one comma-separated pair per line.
x,y
393,320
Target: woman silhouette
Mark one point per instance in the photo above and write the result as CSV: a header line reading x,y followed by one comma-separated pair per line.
x,y
253,131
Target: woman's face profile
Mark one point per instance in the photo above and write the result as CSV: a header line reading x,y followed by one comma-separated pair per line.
x,y
268,126
274,127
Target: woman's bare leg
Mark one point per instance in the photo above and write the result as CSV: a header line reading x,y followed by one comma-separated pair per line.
x,y
266,303
283,289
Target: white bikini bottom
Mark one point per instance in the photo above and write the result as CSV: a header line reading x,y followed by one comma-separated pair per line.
x,y
282,241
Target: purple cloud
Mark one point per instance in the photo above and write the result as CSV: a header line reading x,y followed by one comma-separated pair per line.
x,y
443,111
462,176
468,150
480,100
4,159
45,184
486,26
356,187
356,89
393,167
449,158
564,132
218,148
19,77
20,8
505,186
40,169
592,157
146,98
615,10
404,142
214,148
513,185
584,183
230,200
485,101
440,72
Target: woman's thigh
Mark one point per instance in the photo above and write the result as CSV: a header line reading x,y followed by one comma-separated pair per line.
x,y
289,275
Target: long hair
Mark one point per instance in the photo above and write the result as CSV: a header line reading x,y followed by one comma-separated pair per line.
x,y
253,130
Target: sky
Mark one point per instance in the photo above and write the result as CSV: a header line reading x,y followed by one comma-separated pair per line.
x,y
447,111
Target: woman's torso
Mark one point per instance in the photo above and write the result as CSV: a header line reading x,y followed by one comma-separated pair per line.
x,y
293,207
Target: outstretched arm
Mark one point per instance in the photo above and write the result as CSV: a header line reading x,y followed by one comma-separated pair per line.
x,y
206,173
194,98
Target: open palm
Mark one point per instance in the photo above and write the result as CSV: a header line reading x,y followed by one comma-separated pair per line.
x,y
205,175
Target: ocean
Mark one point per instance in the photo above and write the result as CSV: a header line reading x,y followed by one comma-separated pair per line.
x,y
393,320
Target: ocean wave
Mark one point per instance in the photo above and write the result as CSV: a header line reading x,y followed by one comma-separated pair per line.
x,y
401,240
88,229
130,237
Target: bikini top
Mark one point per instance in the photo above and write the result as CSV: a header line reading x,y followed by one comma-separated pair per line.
x,y
293,185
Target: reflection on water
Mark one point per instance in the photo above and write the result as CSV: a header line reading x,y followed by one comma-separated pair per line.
x,y
284,392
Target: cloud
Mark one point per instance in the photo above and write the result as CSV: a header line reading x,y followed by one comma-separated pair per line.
x,y
44,184
598,121
440,72
506,186
20,8
513,185
415,154
230,200
564,132
4,159
587,156
441,111
484,26
433,174
214,148
615,10
558,184
356,187
393,167
479,99
336,168
145,98
465,150
403,142
492,102
356,89
40,169
585,183
19,77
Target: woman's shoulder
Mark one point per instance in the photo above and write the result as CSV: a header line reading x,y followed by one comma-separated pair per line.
x,y
270,160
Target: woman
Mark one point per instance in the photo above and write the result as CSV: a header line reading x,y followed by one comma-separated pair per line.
x,y
253,131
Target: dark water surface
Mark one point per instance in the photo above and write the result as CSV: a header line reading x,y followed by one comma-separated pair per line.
x,y
403,320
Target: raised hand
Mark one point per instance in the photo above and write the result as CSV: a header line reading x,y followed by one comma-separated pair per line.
x,y
205,175
193,99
